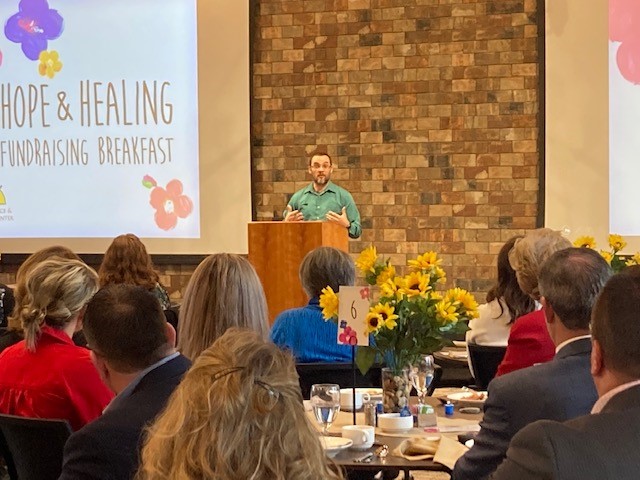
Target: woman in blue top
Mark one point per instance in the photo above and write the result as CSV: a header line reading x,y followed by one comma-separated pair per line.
x,y
304,331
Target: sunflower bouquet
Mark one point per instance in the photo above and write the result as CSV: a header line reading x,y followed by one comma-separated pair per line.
x,y
409,317
617,260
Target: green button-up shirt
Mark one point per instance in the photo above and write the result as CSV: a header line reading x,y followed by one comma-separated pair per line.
x,y
315,205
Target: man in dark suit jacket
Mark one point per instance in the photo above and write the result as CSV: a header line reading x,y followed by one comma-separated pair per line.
x,y
603,445
133,348
561,389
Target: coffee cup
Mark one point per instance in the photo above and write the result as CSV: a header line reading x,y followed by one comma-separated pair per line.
x,y
362,436
346,398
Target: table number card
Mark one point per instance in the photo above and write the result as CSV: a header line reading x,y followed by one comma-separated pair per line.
x,y
352,313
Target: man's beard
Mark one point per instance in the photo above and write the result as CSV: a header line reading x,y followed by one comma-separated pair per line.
x,y
321,180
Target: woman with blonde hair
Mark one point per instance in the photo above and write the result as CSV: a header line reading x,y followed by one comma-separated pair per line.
x,y
223,292
14,327
46,375
529,341
237,415
127,261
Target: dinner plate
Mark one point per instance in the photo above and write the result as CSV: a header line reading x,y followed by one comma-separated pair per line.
x,y
459,344
462,399
395,430
332,445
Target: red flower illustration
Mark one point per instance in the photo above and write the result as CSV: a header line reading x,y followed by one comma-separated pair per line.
x,y
349,336
170,203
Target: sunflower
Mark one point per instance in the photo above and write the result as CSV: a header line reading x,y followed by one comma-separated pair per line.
x,y
374,322
391,288
366,261
446,312
585,242
616,242
387,313
387,272
329,303
635,260
608,256
414,284
440,274
425,261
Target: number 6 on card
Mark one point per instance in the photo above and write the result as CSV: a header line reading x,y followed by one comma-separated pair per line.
x,y
352,315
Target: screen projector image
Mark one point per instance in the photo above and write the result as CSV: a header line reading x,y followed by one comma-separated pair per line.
x,y
99,119
624,116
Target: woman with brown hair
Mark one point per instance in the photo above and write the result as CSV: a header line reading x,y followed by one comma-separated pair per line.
x,y
127,261
223,292
237,414
46,375
14,327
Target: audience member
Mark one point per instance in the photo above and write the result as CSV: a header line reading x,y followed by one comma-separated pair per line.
x,y
603,445
238,414
224,291
127,261
46,375
133,348
505,302
14,332
560,389
304,331
7,302
529,341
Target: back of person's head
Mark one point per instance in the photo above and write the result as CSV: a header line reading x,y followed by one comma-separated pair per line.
x,y
223,292
326,266
530,252
127,261
507,288
125,326
23,272
237,414
56,291
570,280
615,323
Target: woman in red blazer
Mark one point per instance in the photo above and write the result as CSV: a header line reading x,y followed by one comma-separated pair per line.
x,y
529,341
46,375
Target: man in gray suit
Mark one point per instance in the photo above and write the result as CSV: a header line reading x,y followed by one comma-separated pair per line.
x,y
604,445
569,283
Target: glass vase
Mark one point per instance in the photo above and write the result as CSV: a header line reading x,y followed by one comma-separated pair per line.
x,y
396,388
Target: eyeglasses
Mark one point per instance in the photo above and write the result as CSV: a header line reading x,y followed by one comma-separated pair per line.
x,y
317,166
272,395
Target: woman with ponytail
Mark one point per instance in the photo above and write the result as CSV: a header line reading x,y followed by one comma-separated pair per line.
x,y
46,375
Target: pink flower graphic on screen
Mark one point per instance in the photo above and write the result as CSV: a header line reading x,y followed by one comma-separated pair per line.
x,y
624,27
33,26
170,203
348,337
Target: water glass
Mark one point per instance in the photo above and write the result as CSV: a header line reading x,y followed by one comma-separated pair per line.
x,y
421,375
325,401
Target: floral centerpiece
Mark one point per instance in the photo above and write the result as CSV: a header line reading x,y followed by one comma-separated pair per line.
x,y
409,318
617,260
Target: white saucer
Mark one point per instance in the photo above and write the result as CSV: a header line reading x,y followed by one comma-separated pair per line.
x,y
332,445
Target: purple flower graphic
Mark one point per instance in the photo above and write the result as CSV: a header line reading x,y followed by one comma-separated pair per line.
x,y
33,26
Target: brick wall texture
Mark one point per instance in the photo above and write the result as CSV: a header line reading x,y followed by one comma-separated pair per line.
x,y
428,108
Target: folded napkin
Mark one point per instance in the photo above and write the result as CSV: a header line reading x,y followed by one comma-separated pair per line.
x,y
443,450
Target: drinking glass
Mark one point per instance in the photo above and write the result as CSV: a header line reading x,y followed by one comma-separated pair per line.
x,y
421,375
325,400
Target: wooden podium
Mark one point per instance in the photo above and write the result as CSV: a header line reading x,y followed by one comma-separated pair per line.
x,y
276,250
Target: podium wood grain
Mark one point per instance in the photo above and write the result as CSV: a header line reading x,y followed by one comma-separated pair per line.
x,y
276,250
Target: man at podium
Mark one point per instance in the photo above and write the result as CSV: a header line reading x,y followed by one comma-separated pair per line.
x,y
324,200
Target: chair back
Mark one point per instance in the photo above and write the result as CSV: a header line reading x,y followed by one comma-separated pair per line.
x,y
339,373
484,362
35,445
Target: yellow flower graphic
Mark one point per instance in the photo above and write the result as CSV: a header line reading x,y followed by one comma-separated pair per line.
x,y
415,283
374,322
386,313
388,272
425,261
366,261
446,312
608,256
329,303
616,242
585,241
50,63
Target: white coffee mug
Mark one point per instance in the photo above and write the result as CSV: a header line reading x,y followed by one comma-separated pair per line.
x,y
362,436
346,398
